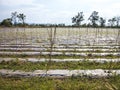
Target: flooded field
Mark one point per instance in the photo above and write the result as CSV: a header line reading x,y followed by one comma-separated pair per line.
x,y
62,36
68,46
60,58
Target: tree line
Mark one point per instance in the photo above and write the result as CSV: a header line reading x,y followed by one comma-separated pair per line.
x,y
18,19
95,20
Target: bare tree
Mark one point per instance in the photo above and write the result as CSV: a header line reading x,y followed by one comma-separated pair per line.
x,y
51,38
14,18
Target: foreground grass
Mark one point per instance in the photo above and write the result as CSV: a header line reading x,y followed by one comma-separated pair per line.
x,y
72,83
30,66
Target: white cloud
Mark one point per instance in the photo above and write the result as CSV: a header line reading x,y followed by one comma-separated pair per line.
x,y
15,2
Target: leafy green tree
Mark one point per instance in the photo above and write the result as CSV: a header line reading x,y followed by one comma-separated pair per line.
x,y
14,18
94,18
78,19
7,22
102,21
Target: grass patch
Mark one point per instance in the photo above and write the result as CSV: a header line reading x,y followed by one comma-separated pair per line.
x,y
30,66
73,83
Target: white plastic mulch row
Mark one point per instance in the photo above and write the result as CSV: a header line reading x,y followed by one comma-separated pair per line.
x,y
60,53
100,60
60,46
56,49
60,73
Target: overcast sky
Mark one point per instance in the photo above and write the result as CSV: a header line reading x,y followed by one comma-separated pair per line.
x,y
58,11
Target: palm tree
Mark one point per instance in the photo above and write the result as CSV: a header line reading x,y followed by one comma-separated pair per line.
x,y
112,21
117,21
21,18
78,19
94,18
102,22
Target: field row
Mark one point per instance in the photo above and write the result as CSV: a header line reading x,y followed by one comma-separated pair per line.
x,y
100,60
48,65
72,46
60,73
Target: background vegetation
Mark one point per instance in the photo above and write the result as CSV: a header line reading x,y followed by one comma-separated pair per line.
x,y
18,20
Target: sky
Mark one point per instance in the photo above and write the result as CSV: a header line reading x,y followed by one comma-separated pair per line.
x,y
58,11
